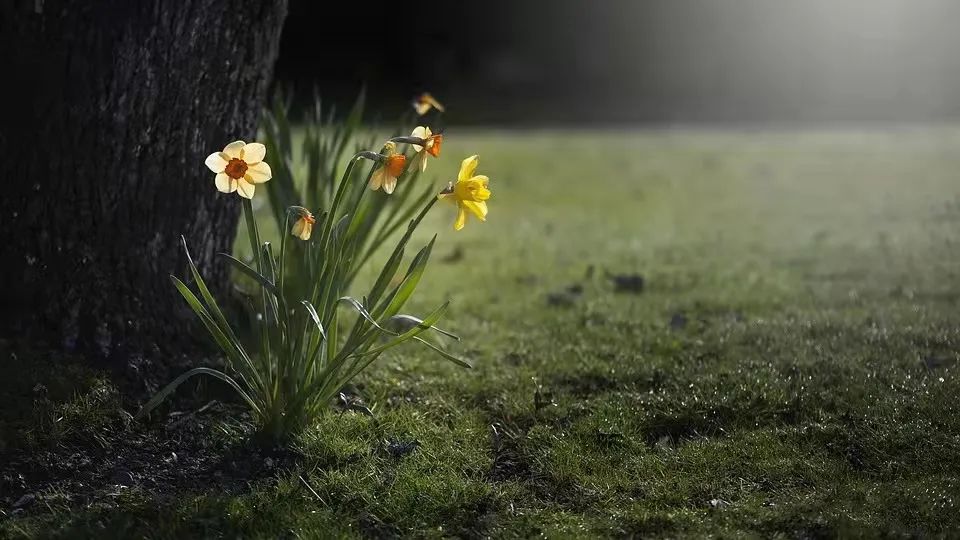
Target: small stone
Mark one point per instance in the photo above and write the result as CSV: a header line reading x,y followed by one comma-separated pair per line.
x,y
399,449
628,283
678,321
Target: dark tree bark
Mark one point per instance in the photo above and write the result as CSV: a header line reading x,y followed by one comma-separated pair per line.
x,y
109,109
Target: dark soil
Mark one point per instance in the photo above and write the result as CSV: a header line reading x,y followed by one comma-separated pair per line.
x,y
184,453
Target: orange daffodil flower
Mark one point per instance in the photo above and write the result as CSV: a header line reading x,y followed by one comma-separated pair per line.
x,y
431,145
304,226
470,193
239,167
391,168
424,102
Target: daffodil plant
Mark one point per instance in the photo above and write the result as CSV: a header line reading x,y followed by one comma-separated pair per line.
x,y
308,344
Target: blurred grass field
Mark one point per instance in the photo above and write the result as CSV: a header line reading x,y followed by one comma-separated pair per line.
x,y
789,368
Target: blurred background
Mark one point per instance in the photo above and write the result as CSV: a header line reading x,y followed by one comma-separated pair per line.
x,y
572,62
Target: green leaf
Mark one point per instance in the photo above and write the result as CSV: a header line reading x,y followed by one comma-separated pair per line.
x,y
250,272
314,316
409,284
167,390
458,361
409,321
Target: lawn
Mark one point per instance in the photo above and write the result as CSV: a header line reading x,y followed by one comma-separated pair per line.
x,y
788,368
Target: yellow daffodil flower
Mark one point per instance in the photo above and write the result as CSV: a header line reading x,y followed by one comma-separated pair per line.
x,y
390,169
470,193
304,226
239,167
424,102
431,146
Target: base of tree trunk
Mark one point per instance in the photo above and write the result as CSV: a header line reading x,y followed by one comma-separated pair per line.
x,y
114,108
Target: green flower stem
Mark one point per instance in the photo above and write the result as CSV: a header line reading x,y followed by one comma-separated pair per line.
x,y
252,232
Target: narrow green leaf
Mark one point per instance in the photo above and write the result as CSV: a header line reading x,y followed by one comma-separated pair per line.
x,y
167,390
250,272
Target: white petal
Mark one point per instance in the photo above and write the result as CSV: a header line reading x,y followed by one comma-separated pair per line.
x,y
376,180
423,161
233,149
258,173
421,133
216,162
226,184
253,153
245,189
389,184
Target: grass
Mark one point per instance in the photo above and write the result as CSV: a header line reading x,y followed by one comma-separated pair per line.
x,y
789,369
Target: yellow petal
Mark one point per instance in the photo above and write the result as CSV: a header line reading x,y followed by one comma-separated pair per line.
x,y
461,218
478,209
389,184
233,149
297,228
258,173
216,162
467,167
421,107
253,153
302,229
225,184
376,180
245,189
483,180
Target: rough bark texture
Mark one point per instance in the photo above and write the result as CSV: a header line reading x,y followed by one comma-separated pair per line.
x,y
110,109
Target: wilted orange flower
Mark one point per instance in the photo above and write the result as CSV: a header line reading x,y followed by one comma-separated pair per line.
x,y
469,193
431,145
239,166
304,226
391,168
424,102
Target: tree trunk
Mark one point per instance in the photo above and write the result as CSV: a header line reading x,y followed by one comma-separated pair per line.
x,y
110,109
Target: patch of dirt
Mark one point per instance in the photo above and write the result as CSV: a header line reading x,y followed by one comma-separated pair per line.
x,y
192,452
508,461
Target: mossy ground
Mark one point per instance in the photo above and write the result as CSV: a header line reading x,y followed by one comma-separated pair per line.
x,y
789,368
